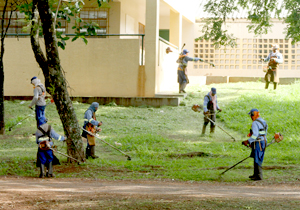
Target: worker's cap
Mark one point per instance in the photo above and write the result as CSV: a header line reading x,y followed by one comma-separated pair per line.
x,y
32,79
168,50
185,51
214,90
251,113
275,47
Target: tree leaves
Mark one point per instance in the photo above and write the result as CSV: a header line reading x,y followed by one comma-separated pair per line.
x,y
260,15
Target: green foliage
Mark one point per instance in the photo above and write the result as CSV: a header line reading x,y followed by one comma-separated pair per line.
x,y
66,11
157,138
259,15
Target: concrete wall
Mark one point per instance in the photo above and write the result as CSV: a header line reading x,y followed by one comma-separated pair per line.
x,y
91,70
132,12
166,73
187,9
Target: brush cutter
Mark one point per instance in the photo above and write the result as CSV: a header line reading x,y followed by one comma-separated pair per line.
x,y
197,108
277,138
128,157
20,122
30,115
65,155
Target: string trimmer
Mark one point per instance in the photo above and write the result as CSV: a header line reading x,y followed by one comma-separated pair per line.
x,y
20,122
197,108
277,138
128,157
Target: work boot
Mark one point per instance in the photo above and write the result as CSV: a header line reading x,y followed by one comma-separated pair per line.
x,y
182,88
267,85
87,152
50,170
275,85
93,152
212,129
42,171
203,130
257,173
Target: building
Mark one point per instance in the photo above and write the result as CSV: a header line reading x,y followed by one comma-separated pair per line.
x,y
242,63
125,63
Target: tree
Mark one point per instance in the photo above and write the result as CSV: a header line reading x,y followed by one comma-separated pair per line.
x,y
259,16
55,81
10,6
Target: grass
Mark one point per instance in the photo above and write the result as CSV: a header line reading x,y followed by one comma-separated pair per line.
x,y
156,137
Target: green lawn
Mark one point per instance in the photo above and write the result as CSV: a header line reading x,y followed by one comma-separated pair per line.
x,y
156,137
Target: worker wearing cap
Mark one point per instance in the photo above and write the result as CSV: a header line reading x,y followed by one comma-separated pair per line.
x,y
210,106
38,100
257,141
274,58
182,69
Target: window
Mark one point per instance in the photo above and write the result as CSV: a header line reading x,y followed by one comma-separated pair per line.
x,y
15,26
98,16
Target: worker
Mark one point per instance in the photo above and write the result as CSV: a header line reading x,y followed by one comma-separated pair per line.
x,y
38,100
45,157
274,58
210,106
91,125
257,141
182,69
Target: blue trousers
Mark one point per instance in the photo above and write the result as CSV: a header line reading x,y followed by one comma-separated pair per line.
x,y
40,115
181,77
258,154
45,156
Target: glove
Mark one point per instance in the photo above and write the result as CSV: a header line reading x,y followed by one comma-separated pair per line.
x,y
249,134
245,143
205,112
220,110
201,59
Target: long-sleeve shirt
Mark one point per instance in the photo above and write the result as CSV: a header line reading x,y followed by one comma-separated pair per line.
x,y
207,99
39,97
88,118
259,130
279,58
40,136
185,61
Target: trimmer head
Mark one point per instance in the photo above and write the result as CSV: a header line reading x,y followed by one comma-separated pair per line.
x,y
197,108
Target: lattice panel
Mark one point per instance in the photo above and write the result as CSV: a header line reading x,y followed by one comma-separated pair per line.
x,y
246,55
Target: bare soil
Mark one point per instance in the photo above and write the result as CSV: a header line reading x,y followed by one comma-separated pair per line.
x,y
74,193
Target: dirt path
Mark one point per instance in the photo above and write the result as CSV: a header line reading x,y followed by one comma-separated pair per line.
x,y
35,193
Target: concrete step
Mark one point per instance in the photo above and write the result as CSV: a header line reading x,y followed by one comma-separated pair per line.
x,y
170,95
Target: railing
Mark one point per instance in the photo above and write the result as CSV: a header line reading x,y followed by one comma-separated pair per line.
x,y
168,43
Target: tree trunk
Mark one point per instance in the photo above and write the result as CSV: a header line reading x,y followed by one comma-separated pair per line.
x,y
55,81
2,124
3,34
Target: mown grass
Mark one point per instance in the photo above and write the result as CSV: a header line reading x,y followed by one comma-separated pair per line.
x,y
156,137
